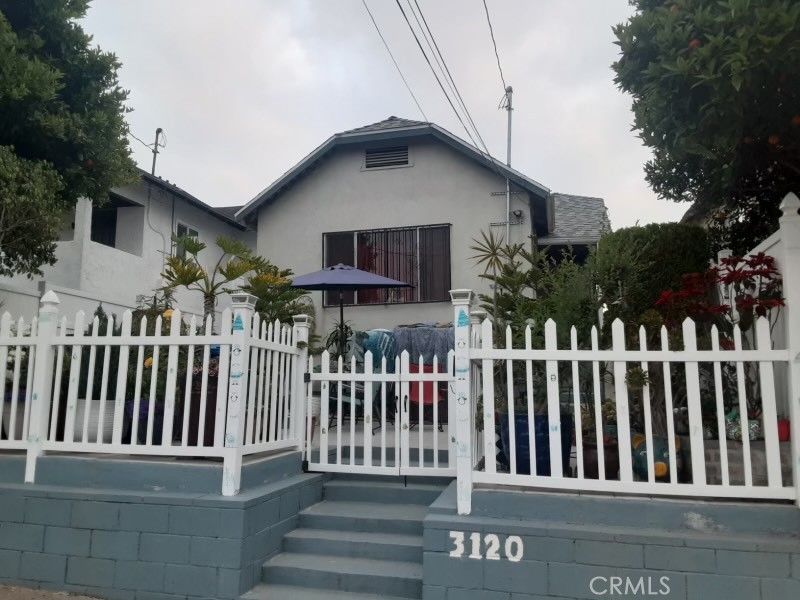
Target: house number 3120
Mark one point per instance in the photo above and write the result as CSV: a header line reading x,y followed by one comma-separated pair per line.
x,y
513,548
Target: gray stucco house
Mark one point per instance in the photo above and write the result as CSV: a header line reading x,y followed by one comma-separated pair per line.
x,y
405,199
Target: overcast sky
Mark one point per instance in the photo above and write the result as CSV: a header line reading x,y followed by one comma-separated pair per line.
x,y
244,89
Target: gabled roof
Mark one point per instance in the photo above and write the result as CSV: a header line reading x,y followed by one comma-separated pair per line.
x,y
226,214
393,128
578,220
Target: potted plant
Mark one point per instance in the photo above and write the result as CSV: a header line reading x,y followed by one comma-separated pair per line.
x,y
541,428
590,446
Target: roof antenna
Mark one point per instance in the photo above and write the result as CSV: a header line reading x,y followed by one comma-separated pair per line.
x,y
159,133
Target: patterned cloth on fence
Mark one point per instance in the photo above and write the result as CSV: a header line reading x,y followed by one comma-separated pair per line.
x,y
380,343
425,341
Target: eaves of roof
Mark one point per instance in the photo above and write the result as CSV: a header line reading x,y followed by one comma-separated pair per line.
x,y
395,133
196,202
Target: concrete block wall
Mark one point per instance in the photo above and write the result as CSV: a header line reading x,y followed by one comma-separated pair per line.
x,y
564,561
146,546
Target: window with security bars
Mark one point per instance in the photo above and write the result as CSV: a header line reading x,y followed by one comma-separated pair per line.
x,y
419,256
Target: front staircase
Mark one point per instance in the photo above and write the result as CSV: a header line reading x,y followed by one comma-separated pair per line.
x,y
363,541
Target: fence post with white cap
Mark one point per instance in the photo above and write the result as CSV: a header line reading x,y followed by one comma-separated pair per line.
x,y
42,381
463,431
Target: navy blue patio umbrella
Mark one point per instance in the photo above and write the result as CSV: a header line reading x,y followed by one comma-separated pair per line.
x,y
344,278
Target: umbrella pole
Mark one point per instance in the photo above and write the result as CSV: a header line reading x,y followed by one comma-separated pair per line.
x,y
342,342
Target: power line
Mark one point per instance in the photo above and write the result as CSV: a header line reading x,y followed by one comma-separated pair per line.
x,y
494,43
485,150
435,74
408,87
140,141
454,87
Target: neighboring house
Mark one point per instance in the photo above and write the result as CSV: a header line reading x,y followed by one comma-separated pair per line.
x,y
115,253
406,199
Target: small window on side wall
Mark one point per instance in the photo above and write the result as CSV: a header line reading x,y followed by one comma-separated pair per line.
x,y
183,230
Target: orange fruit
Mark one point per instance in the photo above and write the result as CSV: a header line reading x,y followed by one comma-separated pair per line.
x,y
695,43
796,120
774,140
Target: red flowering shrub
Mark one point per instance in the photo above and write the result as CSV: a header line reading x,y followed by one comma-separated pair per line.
x,y
752,284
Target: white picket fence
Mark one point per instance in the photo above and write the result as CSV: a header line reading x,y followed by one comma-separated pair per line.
x,y
558,364
178,389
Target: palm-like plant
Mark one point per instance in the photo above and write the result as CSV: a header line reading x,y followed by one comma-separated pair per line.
x,y
236,260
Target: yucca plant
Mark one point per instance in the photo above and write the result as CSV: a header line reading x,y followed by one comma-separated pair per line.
x,y
237,260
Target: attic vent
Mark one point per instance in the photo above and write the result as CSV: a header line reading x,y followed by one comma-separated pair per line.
x,y
386,157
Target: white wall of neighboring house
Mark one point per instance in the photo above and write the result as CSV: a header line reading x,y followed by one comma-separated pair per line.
x,y
87,272
440,187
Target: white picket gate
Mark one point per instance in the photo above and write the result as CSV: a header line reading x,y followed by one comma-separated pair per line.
x,y
395,436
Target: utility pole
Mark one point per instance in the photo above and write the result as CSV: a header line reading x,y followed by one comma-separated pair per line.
x,y
155,148
508,107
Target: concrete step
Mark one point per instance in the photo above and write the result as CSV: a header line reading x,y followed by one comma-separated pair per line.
x,y
345,574
392,492
266,591
365,516
397,479
355,544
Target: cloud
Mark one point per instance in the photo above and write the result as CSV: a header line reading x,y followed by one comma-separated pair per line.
x,y
245,92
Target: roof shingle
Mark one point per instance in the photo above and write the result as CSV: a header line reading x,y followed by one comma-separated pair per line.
x,y
577,219
390,123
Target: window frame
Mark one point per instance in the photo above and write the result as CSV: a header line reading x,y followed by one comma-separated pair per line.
x,y
180,253
418,288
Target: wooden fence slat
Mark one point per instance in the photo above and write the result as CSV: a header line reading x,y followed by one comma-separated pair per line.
x,y
769,413
623,409
325,362
187,395
87,401
723,442
673,458
57,377
151,403
512,420
74,378
201,421
576,402
531,405
137,394
26,418
104,381
489,436
122,379
222,381
172,376
695,411
368,411
5,333
648,418
598,413
420,405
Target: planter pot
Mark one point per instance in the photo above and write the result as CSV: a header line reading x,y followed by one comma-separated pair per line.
x,y
141,428
610,459
94,420
210,414
7,427
784,430
541,432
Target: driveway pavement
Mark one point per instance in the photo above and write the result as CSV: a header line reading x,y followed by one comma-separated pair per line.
x,y
15,593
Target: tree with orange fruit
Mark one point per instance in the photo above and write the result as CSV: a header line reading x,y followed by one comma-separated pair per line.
x,y
716,96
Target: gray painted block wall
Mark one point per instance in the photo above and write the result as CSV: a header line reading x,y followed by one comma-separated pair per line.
x,y
703,560
146,545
